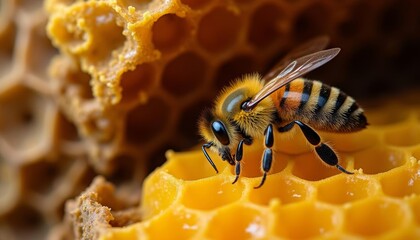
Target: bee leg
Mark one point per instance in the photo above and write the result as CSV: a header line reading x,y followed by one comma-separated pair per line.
x,y
208,145
268,153
324,151
238,157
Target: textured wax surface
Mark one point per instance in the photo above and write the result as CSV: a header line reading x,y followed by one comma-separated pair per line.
x,y
301,198
106,87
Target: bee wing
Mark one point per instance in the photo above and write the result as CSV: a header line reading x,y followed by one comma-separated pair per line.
x,y
292,71
312,46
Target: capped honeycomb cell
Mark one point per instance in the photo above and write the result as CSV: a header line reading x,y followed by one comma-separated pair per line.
x,y
416,153
181,223
218,29
343,189
190,166
285,189
296,220
393,115
220,187
309,167
157,200
374,217
415,205
352,142
408,136
126,82
252,161
249,223
378,159
404,182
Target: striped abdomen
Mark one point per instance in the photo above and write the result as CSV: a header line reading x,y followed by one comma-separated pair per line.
x,y
319,105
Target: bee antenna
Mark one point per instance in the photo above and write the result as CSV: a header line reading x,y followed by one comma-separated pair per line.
x,y
246,106
209,145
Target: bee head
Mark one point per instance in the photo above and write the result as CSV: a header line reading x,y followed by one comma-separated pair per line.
x,y
219,132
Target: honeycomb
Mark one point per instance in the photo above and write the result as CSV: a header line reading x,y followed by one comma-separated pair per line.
x,y
302,198
106,87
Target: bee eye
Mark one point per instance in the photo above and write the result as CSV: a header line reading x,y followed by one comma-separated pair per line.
x,y
220,132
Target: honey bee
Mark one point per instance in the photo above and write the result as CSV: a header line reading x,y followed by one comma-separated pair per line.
x,y
252,107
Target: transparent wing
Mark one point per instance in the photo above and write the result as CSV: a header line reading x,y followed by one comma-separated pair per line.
x,y
292,71
312,46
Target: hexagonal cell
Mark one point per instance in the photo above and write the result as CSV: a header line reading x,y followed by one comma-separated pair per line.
x,y
416,153
265,25
177,224
9,186
187,124
351,142
136,83
388,116
30,5
243,1
195,4
211,193
147,122
312,21
39,176
29,219
305,220
378,159
352,26
66,129
251,162
26,119
218,30
99,22
7,42
169,32
160,190
415,205
309,167
283,188
344,188
238,222
391,18
407,136
39,52
373,217
6,12
192,166
404,182
234,68
184,74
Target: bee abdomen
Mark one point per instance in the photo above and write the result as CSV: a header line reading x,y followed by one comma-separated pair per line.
x,y
319,105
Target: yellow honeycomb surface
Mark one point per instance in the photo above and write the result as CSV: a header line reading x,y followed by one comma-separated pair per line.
x,y
105,87
302,198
